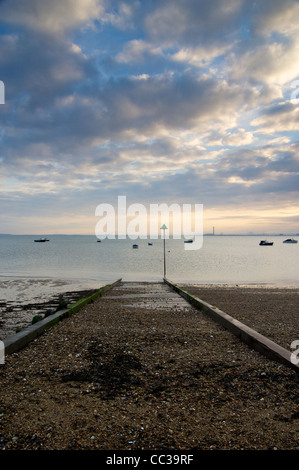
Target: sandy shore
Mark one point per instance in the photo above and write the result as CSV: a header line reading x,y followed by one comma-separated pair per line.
x,y
22,298
126,373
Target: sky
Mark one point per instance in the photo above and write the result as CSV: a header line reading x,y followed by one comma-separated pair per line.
x,y
160,101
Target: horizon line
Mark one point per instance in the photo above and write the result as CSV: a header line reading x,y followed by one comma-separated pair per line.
x,y
109,236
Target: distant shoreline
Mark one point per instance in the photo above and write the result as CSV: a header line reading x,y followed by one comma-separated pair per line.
x,y
287,234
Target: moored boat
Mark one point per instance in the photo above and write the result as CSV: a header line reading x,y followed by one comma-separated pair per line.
x,y
290,240
265,243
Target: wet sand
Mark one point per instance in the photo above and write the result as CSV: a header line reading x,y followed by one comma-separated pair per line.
x,y
22,298
134,372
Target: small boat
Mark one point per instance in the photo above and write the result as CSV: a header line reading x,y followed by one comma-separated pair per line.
x,y
99,241
188,241
290,240
135,246
149,243
41,240
265,243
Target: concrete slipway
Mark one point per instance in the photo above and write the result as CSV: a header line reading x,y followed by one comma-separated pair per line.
x,y
158,295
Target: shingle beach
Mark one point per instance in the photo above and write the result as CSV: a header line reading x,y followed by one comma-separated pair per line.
x,y
129,372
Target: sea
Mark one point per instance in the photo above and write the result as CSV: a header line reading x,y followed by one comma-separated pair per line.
x,y
33,272
85,261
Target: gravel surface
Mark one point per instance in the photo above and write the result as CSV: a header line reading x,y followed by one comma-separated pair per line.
x,y
272,311
136,370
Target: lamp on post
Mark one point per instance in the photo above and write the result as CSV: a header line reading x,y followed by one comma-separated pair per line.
x,y
164,228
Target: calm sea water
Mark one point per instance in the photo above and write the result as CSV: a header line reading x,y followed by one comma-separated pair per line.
x,y
222,259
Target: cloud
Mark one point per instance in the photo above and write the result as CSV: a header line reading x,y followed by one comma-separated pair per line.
x,y
281,117
138,50
53,17
200,55
74,118
122,15
274,63
38,69
231,138
272,16
187,21
174,101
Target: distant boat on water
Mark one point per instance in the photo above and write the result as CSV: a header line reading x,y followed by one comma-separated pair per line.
x,y
135,246
290,240
265,243
150,243
41,240
188,241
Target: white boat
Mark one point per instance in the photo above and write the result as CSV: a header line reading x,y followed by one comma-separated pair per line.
x,y
290,240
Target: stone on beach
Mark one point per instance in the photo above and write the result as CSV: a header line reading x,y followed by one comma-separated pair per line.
x,y
131,371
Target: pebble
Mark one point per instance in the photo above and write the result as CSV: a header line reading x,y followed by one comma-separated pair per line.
x,y
190,394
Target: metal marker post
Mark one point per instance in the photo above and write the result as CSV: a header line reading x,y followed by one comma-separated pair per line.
x,y
164,228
